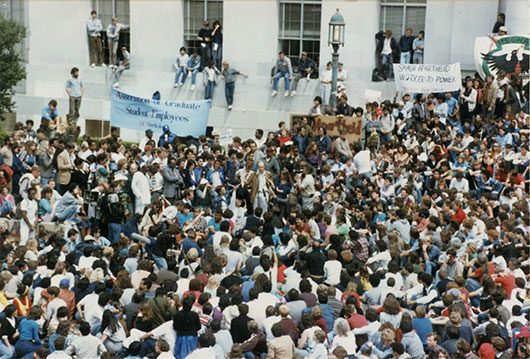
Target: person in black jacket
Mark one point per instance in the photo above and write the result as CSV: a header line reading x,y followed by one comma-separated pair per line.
x,y
186,324
388,48
165,245
405,46
239,325
79,176
8,326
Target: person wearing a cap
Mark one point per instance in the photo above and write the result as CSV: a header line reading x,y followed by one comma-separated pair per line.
x,y
148,138
67,296
503,31
167,137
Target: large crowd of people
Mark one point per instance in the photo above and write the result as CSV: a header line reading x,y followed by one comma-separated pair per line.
x,y
411,243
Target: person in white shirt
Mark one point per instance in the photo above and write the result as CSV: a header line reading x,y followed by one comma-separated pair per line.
x,y
332,268
259,138
381,258
148,137
206,343
28,223
181,64
341,78
325,84
87,346
54,303
94,314
140,188
460,183
344,337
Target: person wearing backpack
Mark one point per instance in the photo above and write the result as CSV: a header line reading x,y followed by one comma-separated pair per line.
x,y
28,216
161,307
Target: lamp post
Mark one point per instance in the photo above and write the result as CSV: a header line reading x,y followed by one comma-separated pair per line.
x,y
335,39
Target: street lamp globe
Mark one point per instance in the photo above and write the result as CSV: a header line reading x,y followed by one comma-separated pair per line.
x,y
336,30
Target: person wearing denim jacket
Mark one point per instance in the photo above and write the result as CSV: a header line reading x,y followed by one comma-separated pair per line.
x,y
193,66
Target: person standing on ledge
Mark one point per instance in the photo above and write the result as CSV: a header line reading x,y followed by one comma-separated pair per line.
x,y
75,90
229,75
113,38
405,46
94,27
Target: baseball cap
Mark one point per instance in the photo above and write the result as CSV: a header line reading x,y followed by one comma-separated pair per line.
x,y
64,283
88,237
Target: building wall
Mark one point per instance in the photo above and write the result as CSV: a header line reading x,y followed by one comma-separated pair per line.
x,y
516,12
58,41
451,27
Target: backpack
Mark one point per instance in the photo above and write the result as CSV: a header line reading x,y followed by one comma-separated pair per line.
x,y
376,76
373,140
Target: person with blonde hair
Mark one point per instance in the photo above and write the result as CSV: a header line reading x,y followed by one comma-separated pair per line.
x,y
344,336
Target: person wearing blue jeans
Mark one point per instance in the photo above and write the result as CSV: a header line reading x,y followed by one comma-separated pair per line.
x,y
160,262
405,46
431,253
28,329
386,46
6,208
181,65
387,62
283,69
114,232
124,65
193,66
229,75
209,81
5,352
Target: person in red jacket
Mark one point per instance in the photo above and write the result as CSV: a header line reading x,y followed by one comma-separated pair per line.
x,y
458,213
355,320
505,279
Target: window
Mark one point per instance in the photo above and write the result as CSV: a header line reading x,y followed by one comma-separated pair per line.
x,y
195,12
106,10
300,28
397,15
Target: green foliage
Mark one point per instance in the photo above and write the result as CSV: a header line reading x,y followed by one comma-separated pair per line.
x,y
12,71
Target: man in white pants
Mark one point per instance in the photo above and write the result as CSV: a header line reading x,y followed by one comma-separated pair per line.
x,y
140,188
28,223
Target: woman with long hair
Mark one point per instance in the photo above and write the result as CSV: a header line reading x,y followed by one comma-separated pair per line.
x,y
312,155
28,156
144,319
283,188
112,332
391,311
28,329
186,324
